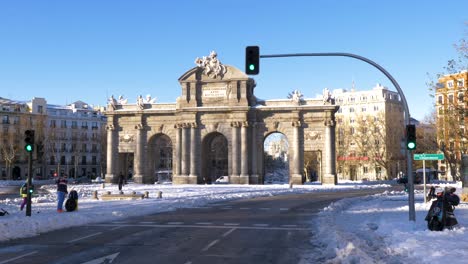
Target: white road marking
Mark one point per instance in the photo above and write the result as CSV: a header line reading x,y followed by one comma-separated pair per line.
x,y
212,227
231,224
265,208
175,223
18,257
188,262
261,225
284,209
245,208
228,232
204,223
210,245
289,225
105,259
118,227
81,238
226,208
147,222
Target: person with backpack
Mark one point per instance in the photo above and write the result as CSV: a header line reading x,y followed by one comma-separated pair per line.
x,y
441,214
61,192
24,194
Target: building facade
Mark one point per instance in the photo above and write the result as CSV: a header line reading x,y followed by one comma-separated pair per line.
x,y
370,132
67,139
217,127
452,116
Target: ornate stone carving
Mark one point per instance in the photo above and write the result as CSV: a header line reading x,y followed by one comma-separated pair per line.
x,y
313,135
139,126
160,128
245,124
140,103
122,101
211,66
126,138
110,127
275,125
112,103
194,125
150,100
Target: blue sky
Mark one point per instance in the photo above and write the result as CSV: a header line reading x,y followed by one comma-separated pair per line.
x,y
88,50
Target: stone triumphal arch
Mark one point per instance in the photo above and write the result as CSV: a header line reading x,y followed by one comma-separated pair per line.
x,y
216,128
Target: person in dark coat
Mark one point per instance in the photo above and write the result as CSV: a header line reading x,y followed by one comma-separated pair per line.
x,y
441,214
121,181
61,192
450,201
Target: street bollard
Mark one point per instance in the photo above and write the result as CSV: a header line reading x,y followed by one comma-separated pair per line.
x,y
95,197
290,185
103,185
159,194
121,192
108,192
146,194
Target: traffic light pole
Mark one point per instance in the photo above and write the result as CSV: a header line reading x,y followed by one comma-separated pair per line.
x,y
29,185
412,213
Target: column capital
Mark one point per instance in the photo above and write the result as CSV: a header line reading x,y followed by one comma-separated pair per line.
x,y
296,123
193,125
245,124
110,127
329,122
236,124
139,127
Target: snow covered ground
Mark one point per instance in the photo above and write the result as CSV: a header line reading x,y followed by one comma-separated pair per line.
x,y
372,229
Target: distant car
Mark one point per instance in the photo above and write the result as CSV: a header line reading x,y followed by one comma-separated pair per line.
x,y
79,180
98,180
222,180
404,180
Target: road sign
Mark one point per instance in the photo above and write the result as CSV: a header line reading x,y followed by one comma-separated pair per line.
x,y
438,156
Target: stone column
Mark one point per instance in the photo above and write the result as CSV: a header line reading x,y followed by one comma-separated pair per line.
x,y
193,177
244,176
178,150
253,154
330,169
235,153
185,150
139,157
112,154
297,168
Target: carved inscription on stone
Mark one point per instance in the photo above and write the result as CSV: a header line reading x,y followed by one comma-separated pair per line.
x,y
215,91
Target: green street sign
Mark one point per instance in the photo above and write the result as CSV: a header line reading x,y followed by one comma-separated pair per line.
x,y
438,156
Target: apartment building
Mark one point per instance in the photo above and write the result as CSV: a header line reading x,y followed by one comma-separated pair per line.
x,y
370,134
68,139
452,116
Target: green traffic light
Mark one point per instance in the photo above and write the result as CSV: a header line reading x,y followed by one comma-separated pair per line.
x,y
251,67
28,148
411,145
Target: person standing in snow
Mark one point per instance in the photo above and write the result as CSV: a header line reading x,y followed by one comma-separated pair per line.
x,y
121,181
24,194
61,192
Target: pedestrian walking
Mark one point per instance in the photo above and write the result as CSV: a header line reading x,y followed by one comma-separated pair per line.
x,y
61,192
24,194
121,181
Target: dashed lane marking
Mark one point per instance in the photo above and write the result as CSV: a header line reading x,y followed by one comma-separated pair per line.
x,y
18,257
208,226
228,232
81,238
231,224
174,223
210,245
261,225
204,223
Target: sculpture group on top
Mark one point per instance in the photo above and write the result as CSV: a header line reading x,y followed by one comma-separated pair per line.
x,y
211,65
140,102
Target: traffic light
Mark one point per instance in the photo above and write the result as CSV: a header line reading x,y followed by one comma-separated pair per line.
x,y
252,60
31,189
410,137
29,140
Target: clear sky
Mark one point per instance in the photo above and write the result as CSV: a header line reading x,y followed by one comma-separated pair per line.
x,y
88,50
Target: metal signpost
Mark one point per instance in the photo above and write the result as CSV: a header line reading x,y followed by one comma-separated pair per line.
x,y
424,157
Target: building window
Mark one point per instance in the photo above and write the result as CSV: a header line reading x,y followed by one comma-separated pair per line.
x,y
351,131
450,98
376,108
363,109
6,119
365,170
83,160
94,125
74,124
460,83
94,160
439,99
450,84
351,109
62,160
84,125
53,123
16,120
40,109
460,97
83,148
63,123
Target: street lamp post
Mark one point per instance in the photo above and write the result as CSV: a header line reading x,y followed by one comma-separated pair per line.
x,y
412,214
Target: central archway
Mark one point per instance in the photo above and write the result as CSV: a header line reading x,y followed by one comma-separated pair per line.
x,y
214,157
160,158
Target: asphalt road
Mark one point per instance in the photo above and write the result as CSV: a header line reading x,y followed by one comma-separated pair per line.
x,y
276,229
